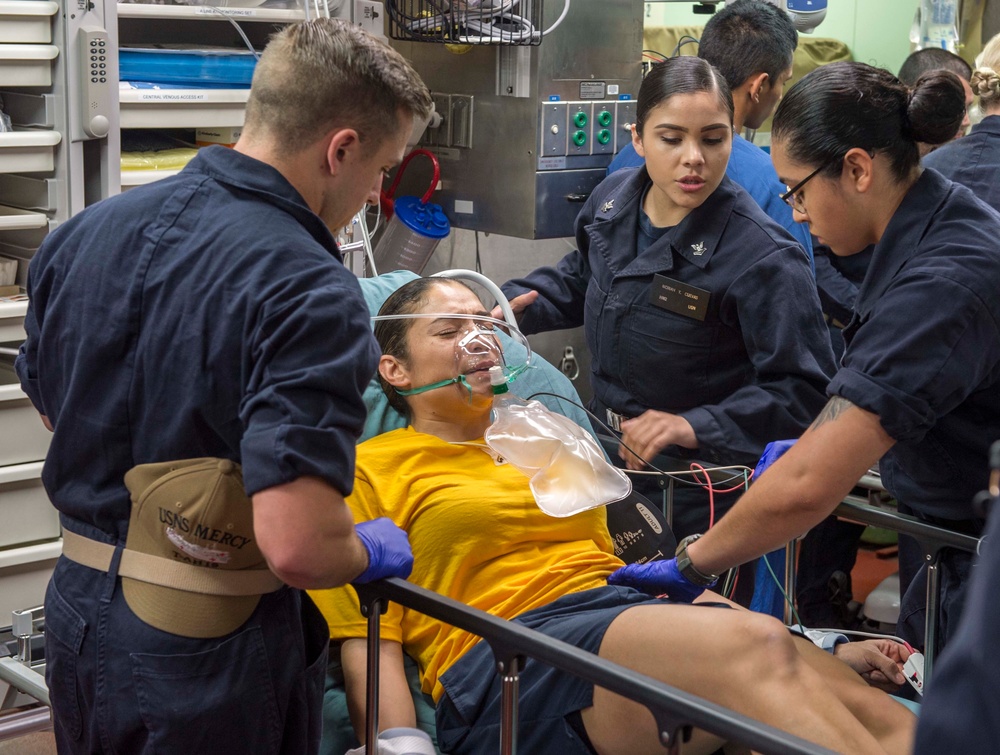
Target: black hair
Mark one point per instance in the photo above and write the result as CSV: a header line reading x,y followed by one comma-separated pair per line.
x,y
749,37
682,75
391,334
844,105
932,59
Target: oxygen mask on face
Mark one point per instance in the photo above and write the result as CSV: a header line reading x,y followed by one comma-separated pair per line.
x,y
567,471
480,343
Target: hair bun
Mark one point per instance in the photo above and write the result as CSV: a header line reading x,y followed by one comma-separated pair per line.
x,y
935,107
985,82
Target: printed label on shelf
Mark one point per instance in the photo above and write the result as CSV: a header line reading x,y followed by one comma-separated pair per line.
x,y
162,96
211,11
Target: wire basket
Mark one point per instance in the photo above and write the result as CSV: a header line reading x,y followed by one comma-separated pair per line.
x,y
468,22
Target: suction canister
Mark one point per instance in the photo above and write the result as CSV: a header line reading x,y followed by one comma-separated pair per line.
x,y
415,225
411,236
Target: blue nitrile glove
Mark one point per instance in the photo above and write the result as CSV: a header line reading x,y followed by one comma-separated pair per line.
x,y
389,553
657,578
772,452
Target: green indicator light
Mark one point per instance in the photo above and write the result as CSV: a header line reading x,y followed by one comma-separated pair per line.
x,y
580,119
604,136
604,118
579,138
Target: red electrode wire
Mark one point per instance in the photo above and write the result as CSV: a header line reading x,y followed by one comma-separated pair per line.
x,y
707,484
710,487
386,197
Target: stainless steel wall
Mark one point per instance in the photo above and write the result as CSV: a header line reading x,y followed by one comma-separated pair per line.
x,y
529,130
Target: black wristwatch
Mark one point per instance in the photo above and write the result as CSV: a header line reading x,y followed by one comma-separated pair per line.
x,y
687,569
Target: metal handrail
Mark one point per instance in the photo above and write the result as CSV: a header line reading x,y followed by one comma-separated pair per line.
x,y
17,724
931,537
675,711
932,540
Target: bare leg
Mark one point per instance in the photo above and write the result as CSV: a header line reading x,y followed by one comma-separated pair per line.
x,y
741,660
890,722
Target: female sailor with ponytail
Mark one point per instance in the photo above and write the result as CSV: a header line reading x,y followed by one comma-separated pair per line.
x,y
918,389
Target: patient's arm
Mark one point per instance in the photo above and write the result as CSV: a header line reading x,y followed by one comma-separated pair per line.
x,y
879,662
395,704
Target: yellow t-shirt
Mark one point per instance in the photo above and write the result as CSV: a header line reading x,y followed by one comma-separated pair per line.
x,y
477,536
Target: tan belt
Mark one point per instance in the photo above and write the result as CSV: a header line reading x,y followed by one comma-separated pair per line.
x,y
167,573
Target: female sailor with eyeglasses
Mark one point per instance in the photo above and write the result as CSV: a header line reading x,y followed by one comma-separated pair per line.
x,y
918,389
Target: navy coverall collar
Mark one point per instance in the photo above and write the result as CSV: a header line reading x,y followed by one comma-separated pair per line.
x,y
989,125
695,238
227,166
901,238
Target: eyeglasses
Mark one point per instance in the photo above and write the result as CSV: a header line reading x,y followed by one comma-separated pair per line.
x,y
792,197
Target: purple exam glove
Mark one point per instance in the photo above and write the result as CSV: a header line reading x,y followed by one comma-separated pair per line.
x,y
389,553
772,452
657,578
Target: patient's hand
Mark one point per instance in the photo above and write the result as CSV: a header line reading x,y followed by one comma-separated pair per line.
x,y
879,662
650,433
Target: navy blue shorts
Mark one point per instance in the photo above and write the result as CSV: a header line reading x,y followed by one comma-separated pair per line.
x,y
468,714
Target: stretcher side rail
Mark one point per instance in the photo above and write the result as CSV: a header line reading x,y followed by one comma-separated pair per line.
x,y
24,678
932,539
675,711
14,725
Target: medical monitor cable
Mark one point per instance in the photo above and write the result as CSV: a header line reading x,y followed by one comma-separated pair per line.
x,y
482,22
685,39
699,469
239,29
679,477
696,469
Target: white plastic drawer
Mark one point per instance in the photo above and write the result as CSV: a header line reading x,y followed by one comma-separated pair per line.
x,y
133,178
27,65
24,575
26,21
27,515
28,151
24,437
12,321
13,219
181,108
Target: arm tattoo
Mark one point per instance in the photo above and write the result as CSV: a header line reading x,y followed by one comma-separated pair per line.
x,y
833,409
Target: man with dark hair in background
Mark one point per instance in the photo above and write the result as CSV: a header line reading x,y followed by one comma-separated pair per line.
x,y
937,59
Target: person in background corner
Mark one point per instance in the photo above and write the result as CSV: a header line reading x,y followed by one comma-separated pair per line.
x,y
918,389
176,333
700,312
751,42
975,160
930,59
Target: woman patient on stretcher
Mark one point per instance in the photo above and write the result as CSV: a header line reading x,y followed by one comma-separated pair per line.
x,y
478,537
